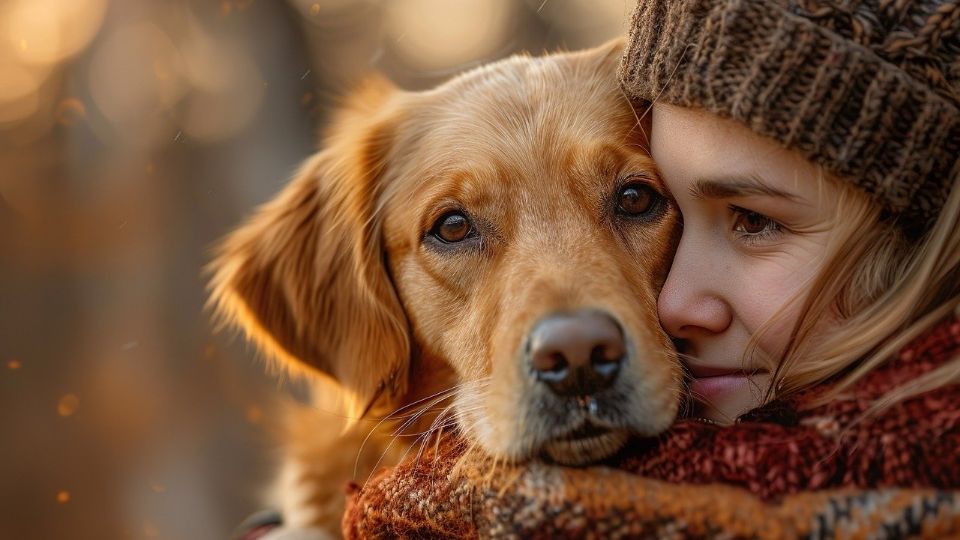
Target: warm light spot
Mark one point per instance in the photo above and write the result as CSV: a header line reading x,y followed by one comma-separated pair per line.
x,y
13,364
47,31
63,496
150,530
315,9
151,168
585,22
158,488
70,110
444,34
213,108
209,351
162,70
19,81
123,80
254,414
20,109
227,6
68,405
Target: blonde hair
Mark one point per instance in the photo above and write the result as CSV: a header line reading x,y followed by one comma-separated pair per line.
x,y
880,290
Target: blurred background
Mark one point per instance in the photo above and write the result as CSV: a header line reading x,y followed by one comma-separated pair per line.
x,y
133,135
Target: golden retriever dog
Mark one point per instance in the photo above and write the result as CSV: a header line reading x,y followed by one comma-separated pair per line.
x,y
486,254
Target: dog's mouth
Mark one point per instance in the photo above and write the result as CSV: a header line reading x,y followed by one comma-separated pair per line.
x,y
586,443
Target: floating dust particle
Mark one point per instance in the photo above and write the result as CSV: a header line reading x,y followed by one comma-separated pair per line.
x,y
254,414
151,168
306,99
63,496
70,110
23,45
315,9
68,405
157,487
14,364
209,351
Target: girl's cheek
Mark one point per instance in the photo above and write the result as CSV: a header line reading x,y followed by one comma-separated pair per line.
x,y
766,306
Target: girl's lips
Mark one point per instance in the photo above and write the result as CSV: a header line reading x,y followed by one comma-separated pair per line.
x,y
712,383
712,389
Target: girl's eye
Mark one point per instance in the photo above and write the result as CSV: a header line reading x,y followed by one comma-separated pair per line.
x,y
637,200
753,225
452,227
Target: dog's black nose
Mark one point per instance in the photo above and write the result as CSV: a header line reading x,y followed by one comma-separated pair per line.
x,y
576,354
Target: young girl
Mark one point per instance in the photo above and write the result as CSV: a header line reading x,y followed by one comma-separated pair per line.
x,y
812,148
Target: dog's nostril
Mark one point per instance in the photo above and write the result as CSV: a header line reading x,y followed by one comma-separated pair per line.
x,y
606,360
606,353
576,354
550,367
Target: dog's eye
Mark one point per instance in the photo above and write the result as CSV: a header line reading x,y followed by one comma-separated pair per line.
x,y
637,200
452,227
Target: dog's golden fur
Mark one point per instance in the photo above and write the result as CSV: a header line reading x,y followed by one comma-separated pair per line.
x,y
340,276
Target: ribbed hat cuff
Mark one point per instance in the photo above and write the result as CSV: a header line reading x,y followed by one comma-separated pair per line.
x,y
785,77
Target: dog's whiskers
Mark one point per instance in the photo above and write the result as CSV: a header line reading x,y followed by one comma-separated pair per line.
x,y
436,397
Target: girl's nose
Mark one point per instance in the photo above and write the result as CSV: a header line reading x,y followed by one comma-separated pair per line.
x,y
689,304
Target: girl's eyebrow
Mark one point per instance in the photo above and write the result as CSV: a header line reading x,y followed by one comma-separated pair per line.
x,y
728,188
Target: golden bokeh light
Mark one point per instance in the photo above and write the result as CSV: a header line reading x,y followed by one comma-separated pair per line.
x,y
254,414
68,405
323,11
123,75
63,496
150,530
224,87
70,111
19,109
591,21
207,88
19,80
443,34
13,364
48,31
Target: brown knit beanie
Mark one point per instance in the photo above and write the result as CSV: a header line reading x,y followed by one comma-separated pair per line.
x,y
866,88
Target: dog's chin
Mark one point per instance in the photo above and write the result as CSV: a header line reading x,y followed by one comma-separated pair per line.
x,y
585,446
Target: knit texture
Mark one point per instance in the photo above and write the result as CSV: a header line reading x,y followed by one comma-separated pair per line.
x,y
866,88
786,471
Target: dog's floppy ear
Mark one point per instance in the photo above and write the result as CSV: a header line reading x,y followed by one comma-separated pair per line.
x,y
306,279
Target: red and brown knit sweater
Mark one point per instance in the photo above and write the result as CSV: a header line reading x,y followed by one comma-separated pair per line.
x,y
782,449
783,471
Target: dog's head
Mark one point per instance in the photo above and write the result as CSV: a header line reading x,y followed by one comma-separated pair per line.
x,y
510,224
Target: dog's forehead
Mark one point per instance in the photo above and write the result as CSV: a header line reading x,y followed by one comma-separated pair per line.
x,y
528,114
523,100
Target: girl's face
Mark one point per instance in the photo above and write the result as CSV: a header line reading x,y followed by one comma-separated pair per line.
x,y
756,222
